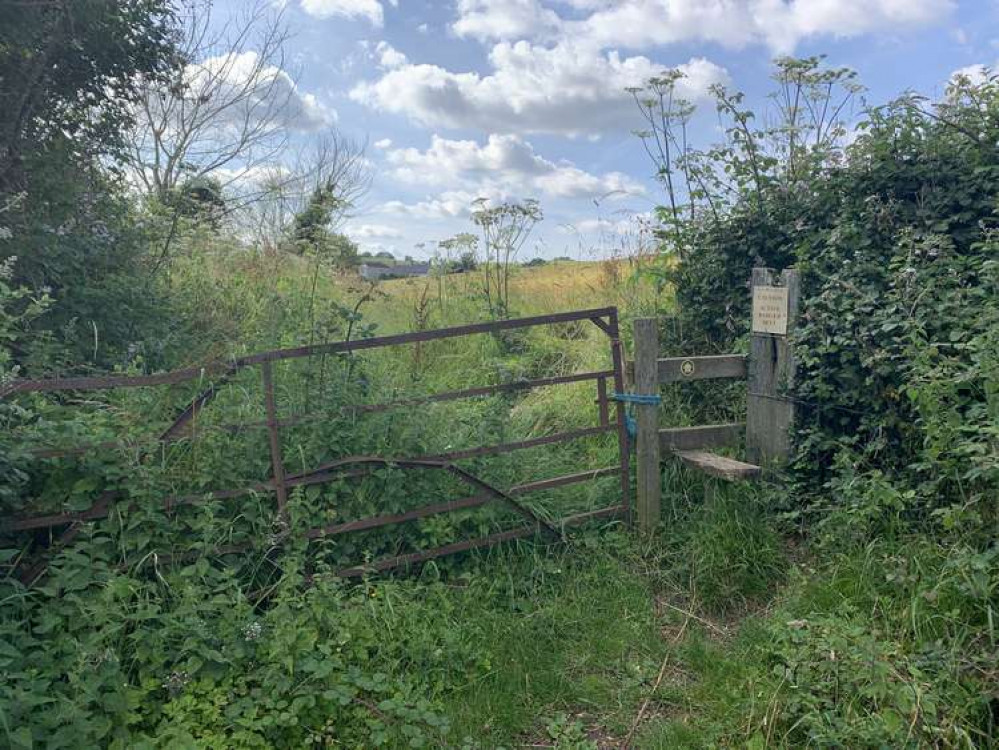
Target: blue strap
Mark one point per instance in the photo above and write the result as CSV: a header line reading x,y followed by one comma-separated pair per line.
x,y
638,398
645,399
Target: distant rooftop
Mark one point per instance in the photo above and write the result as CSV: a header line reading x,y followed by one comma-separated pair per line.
x,y
371,272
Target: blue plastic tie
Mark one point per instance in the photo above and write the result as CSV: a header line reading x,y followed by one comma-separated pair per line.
x,y
631,426
638,398
645,399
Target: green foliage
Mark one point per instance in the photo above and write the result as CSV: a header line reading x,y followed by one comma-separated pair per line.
x,y
883,646
67,91
568,734
200,199
728,553
894,238
63,81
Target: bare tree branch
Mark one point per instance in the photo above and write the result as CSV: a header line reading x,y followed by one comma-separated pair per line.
x,y
226,105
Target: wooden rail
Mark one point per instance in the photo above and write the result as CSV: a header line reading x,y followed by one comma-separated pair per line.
x,y
708,367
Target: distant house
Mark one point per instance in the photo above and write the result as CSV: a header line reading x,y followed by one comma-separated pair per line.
x,y
372,272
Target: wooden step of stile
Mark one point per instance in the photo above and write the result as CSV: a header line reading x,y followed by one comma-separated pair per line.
x,y
721,467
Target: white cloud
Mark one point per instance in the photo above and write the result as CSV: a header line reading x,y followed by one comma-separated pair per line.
x,y
373,231
779,24
504,19
369,9
388,56
450,204
568,89
258,92
565,74
637,24
505,166
383,143
977,73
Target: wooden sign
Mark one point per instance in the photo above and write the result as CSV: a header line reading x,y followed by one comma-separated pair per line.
x,y
770,310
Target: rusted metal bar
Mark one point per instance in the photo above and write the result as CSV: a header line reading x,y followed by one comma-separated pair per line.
x,y
431,335
603,325
305,479
464,503
624,449
602,401
473,501
468,544
444,465
566,479
324,473
486,390
581,518
97,510
29,576
179,426
374,522
105,382
435,552
421,556
108,382
174,433
492,450
275,440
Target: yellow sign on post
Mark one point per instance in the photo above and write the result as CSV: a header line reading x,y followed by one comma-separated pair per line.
x,y
770,310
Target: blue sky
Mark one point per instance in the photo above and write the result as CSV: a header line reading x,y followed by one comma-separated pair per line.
x,y
511,99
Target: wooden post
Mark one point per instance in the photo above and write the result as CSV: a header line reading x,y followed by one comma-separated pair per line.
x,y
769,410
623,443
272,432
647,384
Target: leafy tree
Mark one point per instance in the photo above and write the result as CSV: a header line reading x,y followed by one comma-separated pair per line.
x,y
329,168
68,80
342,251
310,227
199,199
69,73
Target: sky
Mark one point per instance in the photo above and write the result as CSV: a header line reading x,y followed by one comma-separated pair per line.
x,y
516,99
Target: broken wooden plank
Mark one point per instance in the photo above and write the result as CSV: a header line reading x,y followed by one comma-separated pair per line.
x,y
701,436
718,466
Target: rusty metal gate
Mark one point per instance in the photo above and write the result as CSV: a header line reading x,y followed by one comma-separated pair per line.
x,y
65,526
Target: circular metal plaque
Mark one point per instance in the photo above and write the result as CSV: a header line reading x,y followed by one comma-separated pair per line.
x,y
687,367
